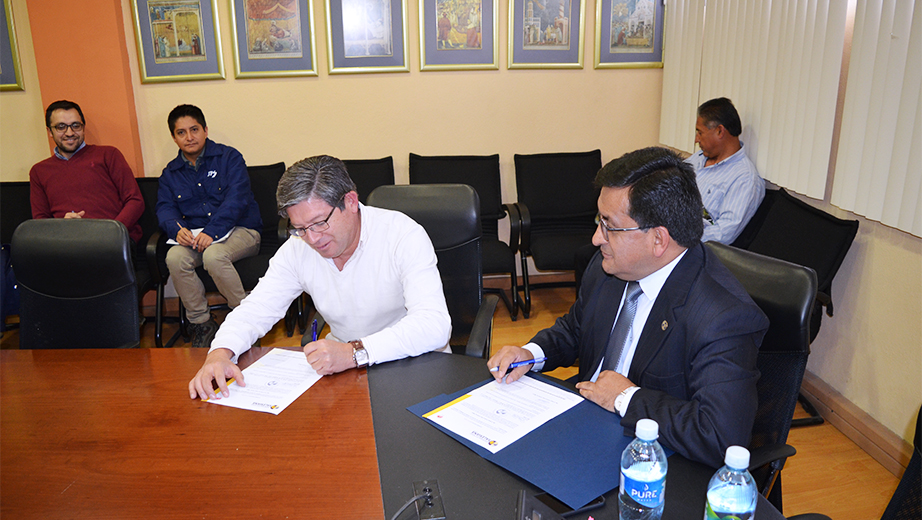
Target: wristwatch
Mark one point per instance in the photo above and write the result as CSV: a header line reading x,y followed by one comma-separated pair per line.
x,y
619,400
359,354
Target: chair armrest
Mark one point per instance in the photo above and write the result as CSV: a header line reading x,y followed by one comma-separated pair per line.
x,y
769,453
155,252
283,230
515,226
478,344
525,219
826,301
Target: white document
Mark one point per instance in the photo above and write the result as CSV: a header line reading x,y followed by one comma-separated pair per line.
x,y
495,415
195,233
273,382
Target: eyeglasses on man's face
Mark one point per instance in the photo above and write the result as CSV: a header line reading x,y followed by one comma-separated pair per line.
x,y
62,127
606,229
316,227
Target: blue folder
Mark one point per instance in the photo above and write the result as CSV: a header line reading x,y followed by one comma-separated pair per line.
x,y
575,457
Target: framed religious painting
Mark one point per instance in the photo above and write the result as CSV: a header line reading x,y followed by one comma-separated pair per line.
x,y
178,40
629,33
546,34
273,38
367,36
458,34
10,68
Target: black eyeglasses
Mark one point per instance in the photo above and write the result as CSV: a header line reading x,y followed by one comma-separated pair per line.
x,y
316,227
606,229
62,127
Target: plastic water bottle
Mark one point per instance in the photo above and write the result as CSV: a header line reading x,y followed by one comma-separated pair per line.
x,y
731,492
643,475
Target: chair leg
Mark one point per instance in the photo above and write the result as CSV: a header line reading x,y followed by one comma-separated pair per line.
x,y
815,417
526,301
183,329
158,318
302,314
291,319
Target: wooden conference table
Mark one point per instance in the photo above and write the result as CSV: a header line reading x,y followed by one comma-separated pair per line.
x,y
113,434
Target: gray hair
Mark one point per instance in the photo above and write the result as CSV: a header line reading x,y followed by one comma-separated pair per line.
x,y
321,177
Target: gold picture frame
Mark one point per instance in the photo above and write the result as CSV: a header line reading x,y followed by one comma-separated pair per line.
x,y
633,39
458,35
274,42
10,66
177,40
546,41
380,46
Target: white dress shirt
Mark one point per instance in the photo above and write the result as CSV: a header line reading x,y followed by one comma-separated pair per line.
x,y
388,294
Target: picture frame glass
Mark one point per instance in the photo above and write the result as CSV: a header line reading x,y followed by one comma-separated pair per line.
x,y
546,33
458,34
366,35
629,33
273,38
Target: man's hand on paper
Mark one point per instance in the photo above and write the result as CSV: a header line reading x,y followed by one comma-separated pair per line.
x,y
605,389
217,367
327,357
75,214
505,357
201,242
184,237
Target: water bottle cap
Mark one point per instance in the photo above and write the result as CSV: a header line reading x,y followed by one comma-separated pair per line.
x,y
737,457
647,430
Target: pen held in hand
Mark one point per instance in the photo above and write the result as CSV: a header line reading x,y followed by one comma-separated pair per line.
x,y
518,364
314,331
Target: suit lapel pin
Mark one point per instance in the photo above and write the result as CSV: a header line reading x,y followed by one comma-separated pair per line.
x,y
665,325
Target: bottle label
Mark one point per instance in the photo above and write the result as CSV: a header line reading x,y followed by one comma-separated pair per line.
x,y
648,494
710,514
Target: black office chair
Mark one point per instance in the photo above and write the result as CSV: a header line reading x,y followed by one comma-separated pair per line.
x,y
450,213
368,174
906,503
785,292
264,181
557,203
482,173
797,232
151,272
15,208
77,284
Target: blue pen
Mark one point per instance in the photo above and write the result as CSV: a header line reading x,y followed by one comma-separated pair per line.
x,y
518,364
314,331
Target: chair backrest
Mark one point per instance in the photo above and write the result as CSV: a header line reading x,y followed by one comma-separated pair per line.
x,y
558,186
15,207
264,182
77,284
450,214
755,223
148,221
368,174
785,293
799,233
478,171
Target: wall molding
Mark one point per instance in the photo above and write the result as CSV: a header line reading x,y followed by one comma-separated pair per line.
x,y
884,446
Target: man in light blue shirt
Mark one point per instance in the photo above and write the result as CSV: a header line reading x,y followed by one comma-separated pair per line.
x,y
730,186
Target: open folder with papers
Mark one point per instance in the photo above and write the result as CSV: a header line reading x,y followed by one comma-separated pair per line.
x,y
575,456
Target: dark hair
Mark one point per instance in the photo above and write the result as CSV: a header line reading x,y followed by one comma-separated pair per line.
x,y
185,111
62,105
322,176
721,111
663,192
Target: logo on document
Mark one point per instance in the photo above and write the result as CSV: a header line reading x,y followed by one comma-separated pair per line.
x,y
490,442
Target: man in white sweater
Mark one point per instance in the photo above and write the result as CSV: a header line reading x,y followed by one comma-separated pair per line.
x,y
370,272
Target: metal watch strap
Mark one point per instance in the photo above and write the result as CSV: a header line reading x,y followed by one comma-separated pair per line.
x,y
357,346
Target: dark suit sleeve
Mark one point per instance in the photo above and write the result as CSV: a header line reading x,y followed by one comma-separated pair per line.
x,y
719,381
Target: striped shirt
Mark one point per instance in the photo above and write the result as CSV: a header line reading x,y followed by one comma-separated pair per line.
x,y
731,191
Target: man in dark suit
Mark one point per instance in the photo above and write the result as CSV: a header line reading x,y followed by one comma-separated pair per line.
x,y
684,353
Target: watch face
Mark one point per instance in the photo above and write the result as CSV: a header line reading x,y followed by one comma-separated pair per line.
x,y
361,356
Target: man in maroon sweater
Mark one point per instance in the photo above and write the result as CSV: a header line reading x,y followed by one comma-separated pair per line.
x,y
82,180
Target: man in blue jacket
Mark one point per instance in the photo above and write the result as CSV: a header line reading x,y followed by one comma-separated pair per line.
x,y
206,207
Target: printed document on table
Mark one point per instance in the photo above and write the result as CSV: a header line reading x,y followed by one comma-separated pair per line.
x,y
495,415
273,382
